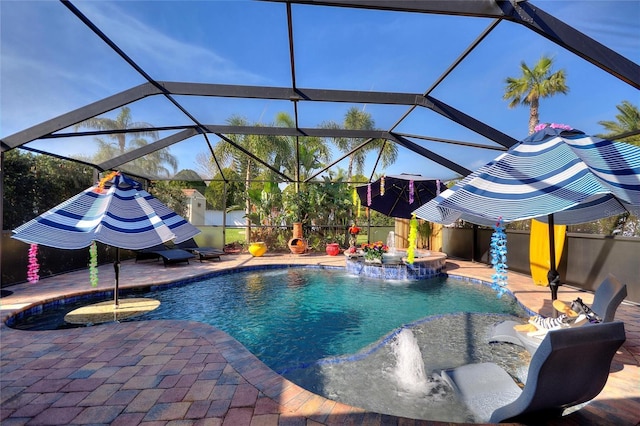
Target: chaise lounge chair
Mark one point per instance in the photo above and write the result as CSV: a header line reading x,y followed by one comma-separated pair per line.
x,y
203,253
150,253
606,300
169,256
570,367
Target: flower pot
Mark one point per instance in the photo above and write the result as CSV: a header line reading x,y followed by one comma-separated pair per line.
x,y
257,249
333,249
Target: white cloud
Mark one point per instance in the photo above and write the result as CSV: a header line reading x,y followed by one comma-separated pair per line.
x,y
163,56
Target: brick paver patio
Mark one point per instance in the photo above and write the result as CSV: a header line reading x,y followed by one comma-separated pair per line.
x,y
188,373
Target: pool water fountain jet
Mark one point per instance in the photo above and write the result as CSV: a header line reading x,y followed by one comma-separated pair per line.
x,y
391,242
409,370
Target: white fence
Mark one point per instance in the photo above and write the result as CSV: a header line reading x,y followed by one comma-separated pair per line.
x,y
214,218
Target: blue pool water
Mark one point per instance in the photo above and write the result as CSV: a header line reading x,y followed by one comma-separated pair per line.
x,y
335,334
291,317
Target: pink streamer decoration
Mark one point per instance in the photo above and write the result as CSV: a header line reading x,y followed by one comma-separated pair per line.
x,y
368,194
411,192
437,187
552,125
32,272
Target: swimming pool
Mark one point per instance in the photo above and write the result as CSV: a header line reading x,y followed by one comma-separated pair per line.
x,y
332,332
293,316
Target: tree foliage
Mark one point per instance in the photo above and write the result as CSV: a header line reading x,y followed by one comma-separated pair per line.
x,y
35,183
170,195
627,120
355,119
215,192
160,163
534,84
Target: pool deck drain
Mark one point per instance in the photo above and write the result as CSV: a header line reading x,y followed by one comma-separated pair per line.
x,y
183,372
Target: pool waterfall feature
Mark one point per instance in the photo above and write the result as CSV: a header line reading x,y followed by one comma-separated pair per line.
x,y
427,264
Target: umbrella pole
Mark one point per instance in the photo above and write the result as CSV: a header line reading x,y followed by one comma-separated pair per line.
x,y
553,276
116,268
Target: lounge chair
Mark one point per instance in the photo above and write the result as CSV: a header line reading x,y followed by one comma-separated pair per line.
x,y
606,300
570,367
171,256
203,253
168,255
150,253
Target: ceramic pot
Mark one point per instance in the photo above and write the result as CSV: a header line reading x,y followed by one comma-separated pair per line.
x,y
297,245
333,249
257,249
297,230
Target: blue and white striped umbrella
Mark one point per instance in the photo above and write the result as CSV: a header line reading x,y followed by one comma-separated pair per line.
x,y
118,213
575,177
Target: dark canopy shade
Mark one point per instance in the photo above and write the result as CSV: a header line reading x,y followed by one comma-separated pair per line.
x,y
399,199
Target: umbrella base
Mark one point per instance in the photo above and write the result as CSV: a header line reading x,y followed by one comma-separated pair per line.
x,y
107,312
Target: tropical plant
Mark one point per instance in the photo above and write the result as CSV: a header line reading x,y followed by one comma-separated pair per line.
x,y
312,152
265,147
627,120
156,164
356,119
534,84
122,122
332,204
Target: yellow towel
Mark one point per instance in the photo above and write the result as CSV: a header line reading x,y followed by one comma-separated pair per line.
x,y
563,308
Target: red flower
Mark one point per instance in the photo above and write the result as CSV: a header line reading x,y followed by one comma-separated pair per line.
x,y
354,230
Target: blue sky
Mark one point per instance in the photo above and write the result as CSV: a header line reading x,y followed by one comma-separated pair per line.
x,y
51,63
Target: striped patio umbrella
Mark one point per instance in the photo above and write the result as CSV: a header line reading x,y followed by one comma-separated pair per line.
x,y
557,175
116,212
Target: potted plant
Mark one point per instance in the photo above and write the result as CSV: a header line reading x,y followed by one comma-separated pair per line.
x,y
373,252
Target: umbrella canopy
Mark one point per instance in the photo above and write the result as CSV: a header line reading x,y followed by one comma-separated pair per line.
x,y
117,212
575,177
400,195
558,175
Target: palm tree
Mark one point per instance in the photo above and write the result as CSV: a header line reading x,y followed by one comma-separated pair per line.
x,y
157,164
535,83
628,120
313,152
122,122
356,119
265,147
